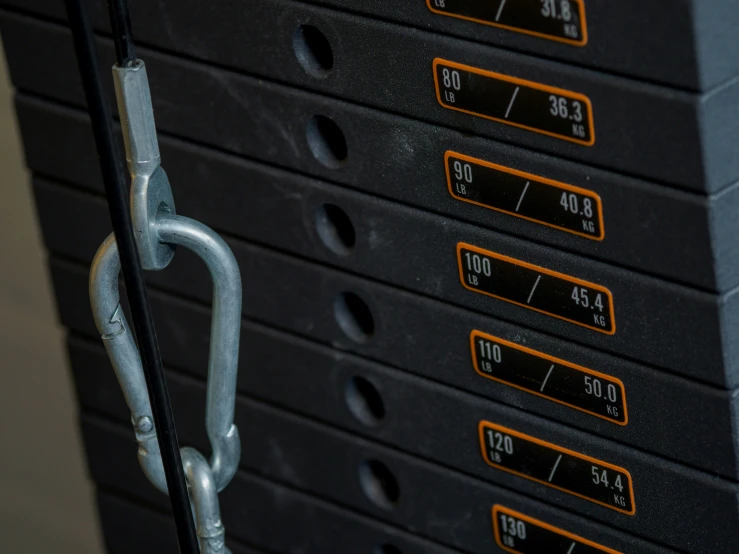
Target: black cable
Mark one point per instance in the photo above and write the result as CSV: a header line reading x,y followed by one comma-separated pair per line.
x,y
120,21
114,178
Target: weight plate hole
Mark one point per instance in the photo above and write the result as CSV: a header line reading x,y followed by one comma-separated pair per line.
x,y
313,51
354,317
335,229
379,484
326,141
364,401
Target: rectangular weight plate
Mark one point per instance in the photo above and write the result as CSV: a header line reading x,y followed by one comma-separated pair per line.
x,y
706,442
559,21
529,105
536,288
670,47
673,136
255,510
520,534
684,47
547,202
537,373
312,450
557,467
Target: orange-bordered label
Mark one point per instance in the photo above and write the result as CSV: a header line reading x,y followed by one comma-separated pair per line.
x,y
558,380
562,469
544,109
550,19
536,288
558,205
520,534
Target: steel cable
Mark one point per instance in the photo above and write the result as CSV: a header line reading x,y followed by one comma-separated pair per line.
x,y
115,181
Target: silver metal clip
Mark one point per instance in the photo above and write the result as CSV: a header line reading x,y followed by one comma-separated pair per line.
x,y
158,230
224,345
204,502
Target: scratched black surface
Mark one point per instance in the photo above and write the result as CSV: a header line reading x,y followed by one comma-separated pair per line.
x,y
522,14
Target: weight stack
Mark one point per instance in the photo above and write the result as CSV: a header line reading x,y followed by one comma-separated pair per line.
x,y
489,258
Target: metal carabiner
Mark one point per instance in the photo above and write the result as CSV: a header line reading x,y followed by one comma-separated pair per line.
x,y
157,230
204,502
224,345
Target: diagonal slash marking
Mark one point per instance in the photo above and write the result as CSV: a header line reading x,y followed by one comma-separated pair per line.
x,y
544,384
556,465
533,289
500,10
522,195
510,104
572,547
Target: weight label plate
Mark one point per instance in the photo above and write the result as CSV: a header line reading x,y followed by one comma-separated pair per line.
x,y
549,377
520,534
551,203
528,105
559,20
536,288
557,467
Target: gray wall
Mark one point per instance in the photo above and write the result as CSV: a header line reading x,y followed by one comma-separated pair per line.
x,y
47,501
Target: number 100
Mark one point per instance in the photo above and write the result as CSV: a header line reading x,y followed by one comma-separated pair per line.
x,y
478,264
